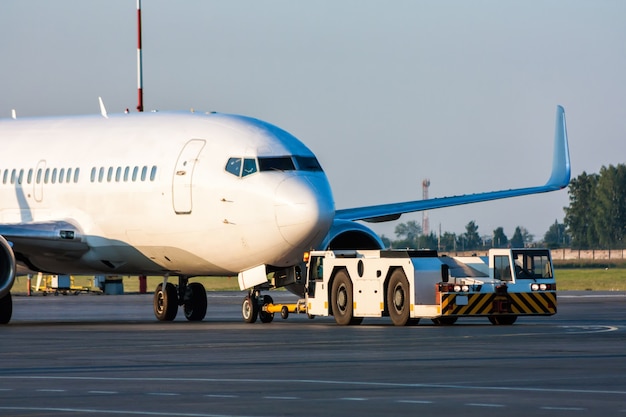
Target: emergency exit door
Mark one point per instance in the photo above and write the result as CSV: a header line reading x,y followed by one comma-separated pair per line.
x,y
182,183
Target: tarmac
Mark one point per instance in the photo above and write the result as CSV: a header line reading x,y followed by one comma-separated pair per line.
x,y
107,355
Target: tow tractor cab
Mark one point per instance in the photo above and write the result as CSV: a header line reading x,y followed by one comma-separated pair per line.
x,y
408,285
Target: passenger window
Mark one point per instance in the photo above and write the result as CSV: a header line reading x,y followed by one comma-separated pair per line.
x,y
68,178
135,171
118,174
110,174
13,177
249,166
76,173
46,176
5,177
153,173
100,174
234,166
144,171
54,175
126,172
20,176
39,172
29,179
93,174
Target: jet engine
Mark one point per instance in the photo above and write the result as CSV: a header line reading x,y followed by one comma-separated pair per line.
x,y
7,267
346,234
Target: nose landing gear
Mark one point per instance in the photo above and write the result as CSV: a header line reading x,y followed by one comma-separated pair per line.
x,y
255,306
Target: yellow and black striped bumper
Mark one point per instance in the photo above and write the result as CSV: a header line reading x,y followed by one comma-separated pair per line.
x,y
527,303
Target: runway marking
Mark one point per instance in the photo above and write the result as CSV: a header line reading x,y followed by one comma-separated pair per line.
x,y
485,405
51,390
322,382
102,392
414,402
221,396
564,408
353,399
281,398
163,394
589,329
123,412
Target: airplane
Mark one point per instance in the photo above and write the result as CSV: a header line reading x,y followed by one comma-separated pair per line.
x,y
183,194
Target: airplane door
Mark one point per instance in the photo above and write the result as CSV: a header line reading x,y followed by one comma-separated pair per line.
x,y
38,180
182,183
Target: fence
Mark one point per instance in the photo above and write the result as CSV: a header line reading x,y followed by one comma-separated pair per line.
x,y
564,254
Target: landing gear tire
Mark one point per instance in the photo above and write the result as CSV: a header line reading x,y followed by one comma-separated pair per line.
x,y
444,321
264,316
165,302
195,302
284,312
342,301
398,298
6,309
502,320
250,309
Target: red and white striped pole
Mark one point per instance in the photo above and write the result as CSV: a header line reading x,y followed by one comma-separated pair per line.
x,y
139,63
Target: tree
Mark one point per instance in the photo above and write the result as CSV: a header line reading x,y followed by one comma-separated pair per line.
x,y
428,241
470,240
526,236
579,215
517,241
556,236
610,206
447,243
408,233
499,238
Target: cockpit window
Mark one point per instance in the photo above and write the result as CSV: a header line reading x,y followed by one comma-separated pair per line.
x,y
249,166
234,166
241,167
276,163
289,163
307,163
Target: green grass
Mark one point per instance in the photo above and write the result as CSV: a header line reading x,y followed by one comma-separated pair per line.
x,y
131,284
590,279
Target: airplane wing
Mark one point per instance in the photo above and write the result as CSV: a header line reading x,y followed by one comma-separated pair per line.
x,y
58,239
559,179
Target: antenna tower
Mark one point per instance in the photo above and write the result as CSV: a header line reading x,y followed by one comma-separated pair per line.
x,y
139,61
425,224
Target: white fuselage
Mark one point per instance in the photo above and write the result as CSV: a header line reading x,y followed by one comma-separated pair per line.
x,y
150,193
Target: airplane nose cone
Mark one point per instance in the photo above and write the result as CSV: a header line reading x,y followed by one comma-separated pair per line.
x,y
304,210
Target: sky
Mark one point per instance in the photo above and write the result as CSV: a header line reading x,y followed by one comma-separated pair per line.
x,y
386,94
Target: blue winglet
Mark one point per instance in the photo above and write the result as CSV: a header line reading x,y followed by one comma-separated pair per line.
x,y
561,169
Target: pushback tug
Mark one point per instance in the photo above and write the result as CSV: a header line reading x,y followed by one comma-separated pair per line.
x,y
408,285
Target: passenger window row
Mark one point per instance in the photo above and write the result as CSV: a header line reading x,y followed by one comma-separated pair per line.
x,y
72,175
125,174
41,175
